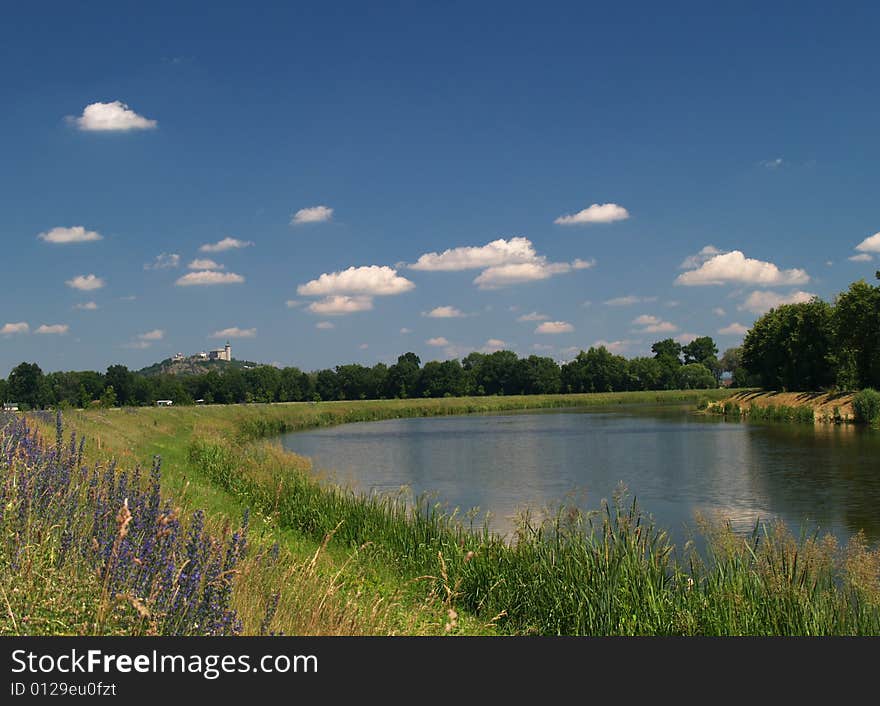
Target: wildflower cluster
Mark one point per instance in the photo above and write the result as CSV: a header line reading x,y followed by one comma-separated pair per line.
x,y
114,524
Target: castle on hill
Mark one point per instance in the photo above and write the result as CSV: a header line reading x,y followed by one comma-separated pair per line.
x,y
224,353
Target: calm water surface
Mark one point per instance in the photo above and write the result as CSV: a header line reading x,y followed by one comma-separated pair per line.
x,y
677,463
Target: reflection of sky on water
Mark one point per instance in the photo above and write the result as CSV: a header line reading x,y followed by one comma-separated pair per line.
x,y
674,462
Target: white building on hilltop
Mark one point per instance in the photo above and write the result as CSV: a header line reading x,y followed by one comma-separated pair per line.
x,y
224,353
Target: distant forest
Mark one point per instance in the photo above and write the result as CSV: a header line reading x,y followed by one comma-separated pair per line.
x,y
813,345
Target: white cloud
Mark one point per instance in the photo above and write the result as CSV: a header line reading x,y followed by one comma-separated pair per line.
x,y
137,345
653,324
115,116
534,316
164,261
53,329
10,329
613,346
225,244
498,252
718,311
439,341
204,264
371,280
542,347
338,304
506,275
406,330
293,303
444,312
578,264
493,345
314,214
685,338
86,306
554,327
156,334
235,332
870,244
693,261
733,330
364,346
85,283
597,213
324,325
759,302
772,163
861,257
736,268
76,234
207,278
629,300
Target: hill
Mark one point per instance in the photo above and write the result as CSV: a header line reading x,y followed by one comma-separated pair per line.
x,y
195,366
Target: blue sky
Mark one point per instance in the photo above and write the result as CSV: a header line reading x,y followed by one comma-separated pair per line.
x,y
421,130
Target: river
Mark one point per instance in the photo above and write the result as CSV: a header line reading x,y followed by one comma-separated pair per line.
x,y
675,462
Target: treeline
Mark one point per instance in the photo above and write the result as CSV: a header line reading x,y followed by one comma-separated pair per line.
x,y
817,345
673,366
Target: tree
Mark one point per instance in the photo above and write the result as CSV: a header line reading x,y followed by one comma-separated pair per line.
x,y
668,354
696,376
403,376
789,348
121,379
856,331
108,398
27,385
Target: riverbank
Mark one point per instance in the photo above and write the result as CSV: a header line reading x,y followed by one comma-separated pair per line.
x,y
820,407
354,564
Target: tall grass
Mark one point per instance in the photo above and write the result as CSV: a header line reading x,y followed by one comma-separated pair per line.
x,y
802,414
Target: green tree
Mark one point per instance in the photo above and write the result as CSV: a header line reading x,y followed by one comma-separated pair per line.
x,y
108,398
122,381
696,376
856,330
27,385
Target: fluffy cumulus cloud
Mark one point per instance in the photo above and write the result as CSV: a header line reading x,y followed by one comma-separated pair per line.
x,y
339,304
735,268
760,301
693,261
111,117
156,334
325,325
504,263
444,312
85,283
498,252
226,244
861,257
313,214
12,329
629,300
204,263
534,316
438,341
554,327
685,338
493,345
235,332
718,311
53,329
76,234
653,324
86,306
372,280
204,278
164,261
506,275
596,213
405,330
734,329
870,244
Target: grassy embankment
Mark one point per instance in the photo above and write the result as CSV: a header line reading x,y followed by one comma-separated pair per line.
x,y
808,407
386,569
